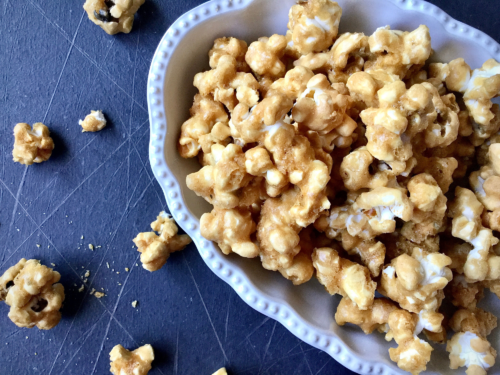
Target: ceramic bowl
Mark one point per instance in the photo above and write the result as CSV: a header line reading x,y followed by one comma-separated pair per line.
x,y
307,310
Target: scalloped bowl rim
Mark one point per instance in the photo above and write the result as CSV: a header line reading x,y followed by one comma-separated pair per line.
x,y
278,310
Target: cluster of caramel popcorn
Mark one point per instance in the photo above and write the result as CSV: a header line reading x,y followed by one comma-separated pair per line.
x,y
113,16
33,294
155,248
346,156
32,145
137,362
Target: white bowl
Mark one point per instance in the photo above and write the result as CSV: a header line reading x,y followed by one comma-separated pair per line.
x,y
308,310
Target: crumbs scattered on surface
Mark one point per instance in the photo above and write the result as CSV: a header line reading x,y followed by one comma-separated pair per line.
x,y
134,304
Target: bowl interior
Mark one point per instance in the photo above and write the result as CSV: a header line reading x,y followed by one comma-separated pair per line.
x,y
264,18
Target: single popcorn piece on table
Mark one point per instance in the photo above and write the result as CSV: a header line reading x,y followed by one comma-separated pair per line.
x,y
341,276
469,346
137,362
32,145
314,25
156,249
33,294
113,16
93,122
221,371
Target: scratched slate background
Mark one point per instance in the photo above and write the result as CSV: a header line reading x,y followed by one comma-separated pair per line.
x,y
55,65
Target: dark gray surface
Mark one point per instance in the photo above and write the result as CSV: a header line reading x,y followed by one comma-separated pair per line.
x,y
55,65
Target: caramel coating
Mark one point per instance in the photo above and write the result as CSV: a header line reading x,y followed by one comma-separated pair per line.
x,y
32,146
263,56
375,317
341,276
113,16
156,249
314,25
33,294
136,362
93,122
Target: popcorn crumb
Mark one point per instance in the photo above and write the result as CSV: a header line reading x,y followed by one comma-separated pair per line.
x,y
52,264
87,274
134,304
81,289
81,237
126,269
37,245
99,294
107,264
91,247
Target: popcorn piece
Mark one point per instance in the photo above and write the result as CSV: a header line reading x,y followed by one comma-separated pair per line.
x,y
221,371
221,184
440,168
137,362
397,51
277,232
370,253
231,229
263,56
32,146
336,59
258,163
469,347
156,249
485,182
481,264
477,321
294,83
93,122
205,113
322,108
341,276
416,282
300,271
375,317
30,289
229,46
429,208
374,212
469,350
363,86
227,85
464,294
412,353
115,16
313,25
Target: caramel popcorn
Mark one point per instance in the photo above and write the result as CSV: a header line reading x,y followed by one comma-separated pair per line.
x,y
115,16
32,146
93,122
33,294
341,276
350,157
156,249
137,362
314,25
469,346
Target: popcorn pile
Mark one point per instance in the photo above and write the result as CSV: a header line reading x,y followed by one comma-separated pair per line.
x,y
345,156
